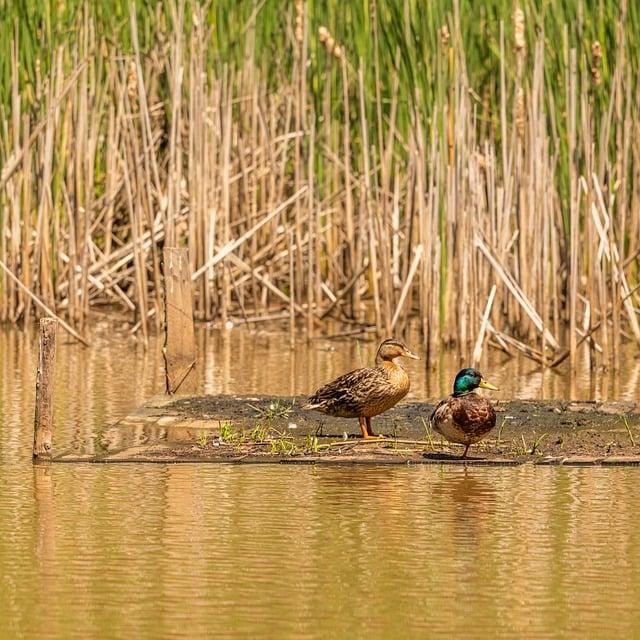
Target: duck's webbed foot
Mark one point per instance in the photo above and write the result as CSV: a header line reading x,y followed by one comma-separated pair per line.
x,y
370,435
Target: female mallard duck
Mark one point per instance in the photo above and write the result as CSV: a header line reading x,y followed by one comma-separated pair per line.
x,y
366,392
465,417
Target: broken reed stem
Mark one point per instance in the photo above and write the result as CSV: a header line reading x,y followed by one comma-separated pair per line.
x,y
477,350
407,284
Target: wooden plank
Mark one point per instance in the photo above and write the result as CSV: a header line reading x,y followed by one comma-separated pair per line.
x,y
43,420
179,346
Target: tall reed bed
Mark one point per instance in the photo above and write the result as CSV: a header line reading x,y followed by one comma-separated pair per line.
x,y
473,167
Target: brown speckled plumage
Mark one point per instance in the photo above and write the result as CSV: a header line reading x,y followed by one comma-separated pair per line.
x,y
364,392
367,392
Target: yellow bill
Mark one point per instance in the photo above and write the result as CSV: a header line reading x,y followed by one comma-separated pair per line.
x,y
487,385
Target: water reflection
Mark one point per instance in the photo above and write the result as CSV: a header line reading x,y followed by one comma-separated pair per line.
x,y
376,551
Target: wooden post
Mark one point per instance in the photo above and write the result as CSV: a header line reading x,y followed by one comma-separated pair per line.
x,y
179,345
43,421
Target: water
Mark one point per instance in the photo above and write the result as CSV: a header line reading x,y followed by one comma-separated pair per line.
x,y
232,551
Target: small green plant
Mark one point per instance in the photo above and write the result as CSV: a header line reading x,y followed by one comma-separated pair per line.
x,y
537,443
264,433
228,433
203,438
311,444
524,445
283,446
276,409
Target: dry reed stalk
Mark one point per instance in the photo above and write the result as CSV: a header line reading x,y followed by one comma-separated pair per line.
x,y
27,194
226,122
151,168
477,350
350,258
573,205
147,172
417,257
434,233
312,251
127,161
416,192
13,189
384,166
300,119
292,293
174,171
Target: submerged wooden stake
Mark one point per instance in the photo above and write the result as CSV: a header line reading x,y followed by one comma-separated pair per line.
x,y
43,421
179,346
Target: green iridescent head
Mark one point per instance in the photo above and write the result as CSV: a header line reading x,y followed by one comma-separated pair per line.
x,y
469,379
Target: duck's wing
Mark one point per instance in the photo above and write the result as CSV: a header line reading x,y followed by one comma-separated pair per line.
x,y
473,412
441,412
349,393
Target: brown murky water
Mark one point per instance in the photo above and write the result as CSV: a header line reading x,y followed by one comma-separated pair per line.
x,y
224,551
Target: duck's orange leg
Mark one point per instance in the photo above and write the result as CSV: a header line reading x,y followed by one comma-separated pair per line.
x,y
365,427
370,433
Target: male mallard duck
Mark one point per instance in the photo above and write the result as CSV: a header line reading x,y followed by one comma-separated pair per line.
x,y
465,417
366,392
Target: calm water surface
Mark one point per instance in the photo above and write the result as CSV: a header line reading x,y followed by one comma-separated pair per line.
x,y
147,551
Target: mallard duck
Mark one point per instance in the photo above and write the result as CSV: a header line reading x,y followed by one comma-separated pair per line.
x,y
366,392
465,417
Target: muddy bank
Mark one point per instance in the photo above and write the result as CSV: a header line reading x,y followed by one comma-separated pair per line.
x,y
258,429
